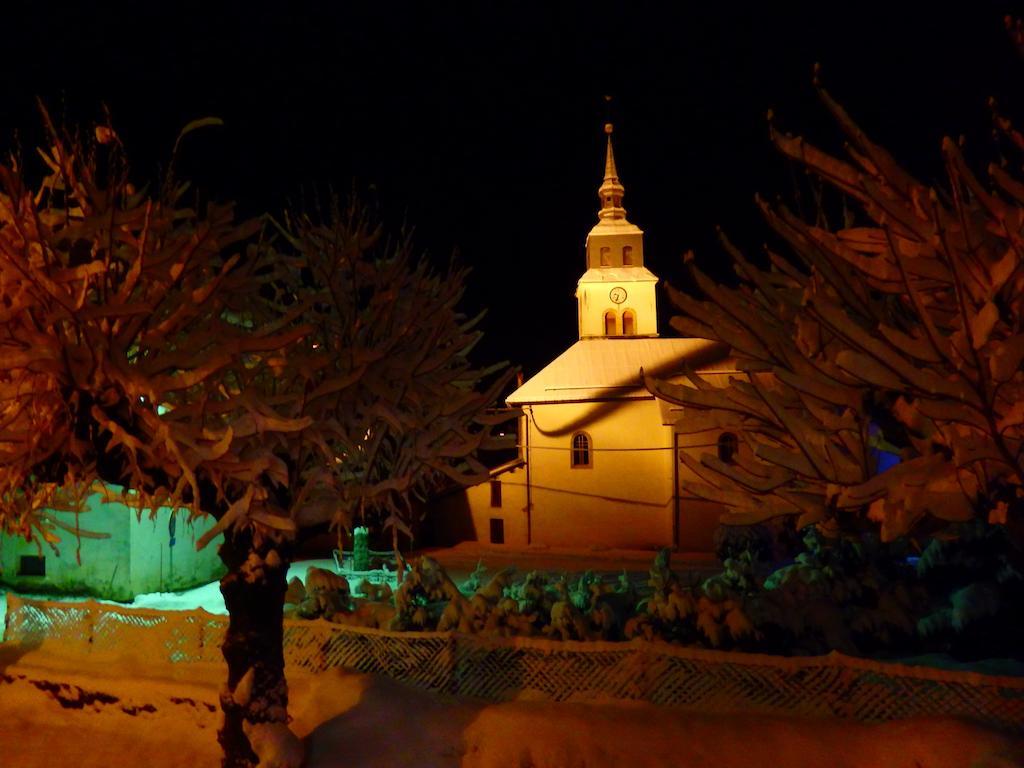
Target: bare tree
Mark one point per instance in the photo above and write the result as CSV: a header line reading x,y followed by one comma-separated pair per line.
x,y
131,353
177,353
900,330
398,404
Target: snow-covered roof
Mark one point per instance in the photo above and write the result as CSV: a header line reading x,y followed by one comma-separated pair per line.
x,y
619,275
615,226
609,369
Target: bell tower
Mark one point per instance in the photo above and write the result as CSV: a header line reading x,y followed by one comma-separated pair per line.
x,y
615,297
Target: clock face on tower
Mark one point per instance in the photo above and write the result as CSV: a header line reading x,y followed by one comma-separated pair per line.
x,y
617,294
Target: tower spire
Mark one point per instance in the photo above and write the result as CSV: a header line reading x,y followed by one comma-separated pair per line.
x,y
611,190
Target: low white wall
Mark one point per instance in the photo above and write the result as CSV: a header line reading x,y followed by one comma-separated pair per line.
x,y
136,557
158,565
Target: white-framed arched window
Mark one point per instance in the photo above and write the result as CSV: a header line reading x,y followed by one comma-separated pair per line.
x,y
580,451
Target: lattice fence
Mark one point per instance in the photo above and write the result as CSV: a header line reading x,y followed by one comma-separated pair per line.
x,y
500,669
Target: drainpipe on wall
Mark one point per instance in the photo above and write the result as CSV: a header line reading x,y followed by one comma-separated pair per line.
x,y
675,490
525,456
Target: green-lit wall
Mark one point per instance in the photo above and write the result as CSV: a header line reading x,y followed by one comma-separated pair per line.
x,y
138,557
157,566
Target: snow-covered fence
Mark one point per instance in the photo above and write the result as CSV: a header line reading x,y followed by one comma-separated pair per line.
x,y
502,668
100,629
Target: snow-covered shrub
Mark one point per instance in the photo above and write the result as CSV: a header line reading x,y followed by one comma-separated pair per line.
x,y
731,540
376,593
669,613
714,614
975,586
855,595
323,595
472,584
851,596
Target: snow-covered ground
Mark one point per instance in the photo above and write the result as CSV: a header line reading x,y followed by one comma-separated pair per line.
x,y
51,715
206,596
56,710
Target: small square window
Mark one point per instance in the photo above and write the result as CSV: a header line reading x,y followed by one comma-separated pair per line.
x,y
497,530
32,565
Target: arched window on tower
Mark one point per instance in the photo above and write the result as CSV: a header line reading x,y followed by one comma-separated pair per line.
x,y
627,255
580,457
606,256
629,323
728,445
610,326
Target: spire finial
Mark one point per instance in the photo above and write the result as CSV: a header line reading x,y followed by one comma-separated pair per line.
x,y
611,191
609,162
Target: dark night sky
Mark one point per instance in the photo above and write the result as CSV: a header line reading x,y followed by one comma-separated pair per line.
x,y
480,123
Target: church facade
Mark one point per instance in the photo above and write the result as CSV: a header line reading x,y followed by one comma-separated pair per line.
x,y
599,464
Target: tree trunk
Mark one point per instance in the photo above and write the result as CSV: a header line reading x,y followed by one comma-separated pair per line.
x,y
253,590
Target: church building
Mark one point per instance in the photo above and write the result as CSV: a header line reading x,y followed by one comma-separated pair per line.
x,y
599,464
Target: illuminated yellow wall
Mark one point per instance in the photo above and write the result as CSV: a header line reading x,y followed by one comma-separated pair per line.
x,y
625,499
595,299
466,514
613,244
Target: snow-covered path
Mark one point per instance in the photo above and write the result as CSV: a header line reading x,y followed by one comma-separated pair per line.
x,y
52,714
